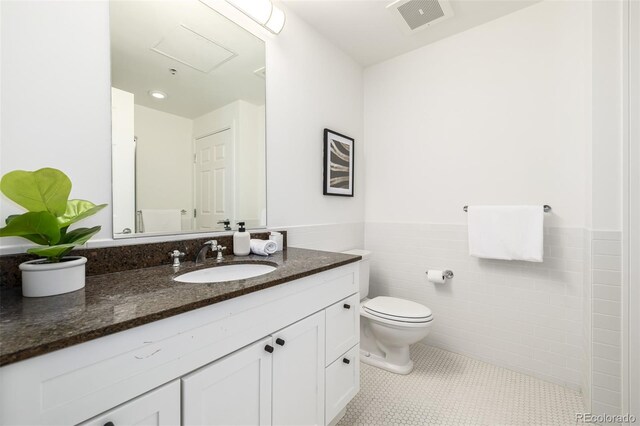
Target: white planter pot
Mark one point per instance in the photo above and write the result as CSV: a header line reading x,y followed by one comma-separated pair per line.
x,y
40,278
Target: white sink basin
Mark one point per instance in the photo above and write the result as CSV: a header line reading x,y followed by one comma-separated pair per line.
x,y
225,273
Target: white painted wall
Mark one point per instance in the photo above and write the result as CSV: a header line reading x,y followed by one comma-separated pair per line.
x,y
164,160
60,115
606,161
250,157
56,98
498,114
310,85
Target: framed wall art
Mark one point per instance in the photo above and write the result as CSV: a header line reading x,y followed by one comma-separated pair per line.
x,y
338,164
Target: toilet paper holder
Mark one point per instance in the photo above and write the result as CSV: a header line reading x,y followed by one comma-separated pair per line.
x,y
447,273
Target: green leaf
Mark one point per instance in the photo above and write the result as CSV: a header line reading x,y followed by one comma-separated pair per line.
x,y
35,238
10,217
53,253
77,210
39,227
80,236
43,190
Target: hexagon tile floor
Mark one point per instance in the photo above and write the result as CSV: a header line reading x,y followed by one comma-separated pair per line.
x,y
450,389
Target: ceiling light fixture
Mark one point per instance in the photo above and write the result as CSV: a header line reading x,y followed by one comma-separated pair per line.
x,y
157,94
263,12
275,24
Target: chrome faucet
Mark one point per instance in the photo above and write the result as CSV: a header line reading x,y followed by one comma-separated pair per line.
x,y
202,254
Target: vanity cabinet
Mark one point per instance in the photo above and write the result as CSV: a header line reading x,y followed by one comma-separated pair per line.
x,y
274,356
278,379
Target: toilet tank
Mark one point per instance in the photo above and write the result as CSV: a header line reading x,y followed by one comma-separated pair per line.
x,y
364,270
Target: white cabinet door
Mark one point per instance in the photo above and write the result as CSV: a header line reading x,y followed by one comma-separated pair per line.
x,y
298,373
235,390
160,407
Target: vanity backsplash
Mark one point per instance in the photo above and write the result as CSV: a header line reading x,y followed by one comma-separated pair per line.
x,y
106,260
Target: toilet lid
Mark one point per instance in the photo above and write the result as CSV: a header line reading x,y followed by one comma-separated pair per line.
x,y
398,309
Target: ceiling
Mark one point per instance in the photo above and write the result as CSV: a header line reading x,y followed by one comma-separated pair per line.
x,y
215,60
369,33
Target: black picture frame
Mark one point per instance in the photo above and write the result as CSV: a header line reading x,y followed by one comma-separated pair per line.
x,y
336,181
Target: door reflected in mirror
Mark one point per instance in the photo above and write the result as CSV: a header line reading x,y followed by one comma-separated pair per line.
x,y
188,120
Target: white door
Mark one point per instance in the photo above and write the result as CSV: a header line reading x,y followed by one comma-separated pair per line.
x,y
160,407
298,373
235,390
214,179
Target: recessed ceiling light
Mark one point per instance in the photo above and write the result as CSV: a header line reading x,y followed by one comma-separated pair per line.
x,y
157,94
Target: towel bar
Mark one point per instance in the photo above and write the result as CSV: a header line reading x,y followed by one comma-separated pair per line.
x,y
547,208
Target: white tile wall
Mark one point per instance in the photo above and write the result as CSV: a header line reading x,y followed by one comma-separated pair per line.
x,y
520,315
330,237
587,343
606,330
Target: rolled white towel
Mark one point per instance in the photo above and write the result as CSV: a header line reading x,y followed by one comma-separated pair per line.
x,y
263,247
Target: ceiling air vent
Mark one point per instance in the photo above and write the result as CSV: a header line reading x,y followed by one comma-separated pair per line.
x,y
416,15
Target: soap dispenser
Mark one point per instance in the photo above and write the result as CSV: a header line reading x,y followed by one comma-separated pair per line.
x,y
241,241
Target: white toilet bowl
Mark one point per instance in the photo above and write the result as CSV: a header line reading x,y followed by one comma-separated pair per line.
x,y
388,326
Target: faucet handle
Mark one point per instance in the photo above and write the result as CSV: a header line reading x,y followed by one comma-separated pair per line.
x,y
219,249
176,255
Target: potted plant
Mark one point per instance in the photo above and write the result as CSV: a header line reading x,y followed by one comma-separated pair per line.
x,y
44,194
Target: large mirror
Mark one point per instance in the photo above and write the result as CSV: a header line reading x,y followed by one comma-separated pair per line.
x,y
188,120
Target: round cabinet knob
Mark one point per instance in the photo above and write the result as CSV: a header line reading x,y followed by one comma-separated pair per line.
x,y
279,341
269,348
346,306
109,424
346,360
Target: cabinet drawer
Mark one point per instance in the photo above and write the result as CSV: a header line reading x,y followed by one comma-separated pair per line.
x,y
343,327
160,407
342,382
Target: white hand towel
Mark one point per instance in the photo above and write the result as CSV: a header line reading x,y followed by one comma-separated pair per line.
x,y
506,232
156,220
263,247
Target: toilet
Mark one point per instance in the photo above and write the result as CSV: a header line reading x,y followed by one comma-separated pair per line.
x,y
388,325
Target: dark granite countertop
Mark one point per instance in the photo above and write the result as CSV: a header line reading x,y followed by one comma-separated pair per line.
x,y
118,301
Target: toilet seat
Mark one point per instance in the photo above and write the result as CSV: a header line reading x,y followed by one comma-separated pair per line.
x,y
397,310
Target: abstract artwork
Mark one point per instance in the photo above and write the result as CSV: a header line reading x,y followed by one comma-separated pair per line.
x,y
338,164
